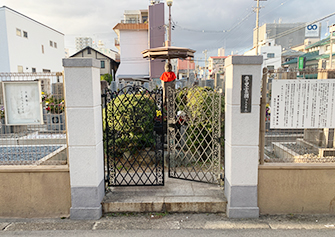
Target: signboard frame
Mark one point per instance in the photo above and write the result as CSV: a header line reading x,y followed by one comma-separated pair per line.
x,y
312,30
301,63
246,95
22,102
302,103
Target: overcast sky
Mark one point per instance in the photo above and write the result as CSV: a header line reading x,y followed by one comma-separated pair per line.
x,y
192,19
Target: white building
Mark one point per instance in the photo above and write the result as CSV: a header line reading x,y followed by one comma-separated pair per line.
x,y
271,54
28,45
108,52
216,65
83,42
288,35
138,31
133,39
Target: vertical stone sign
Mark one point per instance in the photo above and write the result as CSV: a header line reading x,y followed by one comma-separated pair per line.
x,y
246,88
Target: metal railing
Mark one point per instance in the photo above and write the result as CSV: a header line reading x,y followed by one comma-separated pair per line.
x,y
131,21
40,143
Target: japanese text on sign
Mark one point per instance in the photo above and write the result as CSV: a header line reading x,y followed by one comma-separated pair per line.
x,y
246,86
22,102
303,104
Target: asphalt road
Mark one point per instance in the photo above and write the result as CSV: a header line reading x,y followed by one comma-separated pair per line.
x,y
174,233
172,225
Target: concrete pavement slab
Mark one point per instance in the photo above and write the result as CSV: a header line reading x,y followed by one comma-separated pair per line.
x,y
168,221
235,225
138,224
56,225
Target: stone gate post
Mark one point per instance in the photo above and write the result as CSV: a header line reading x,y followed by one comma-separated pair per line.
x,y
242,104
84,134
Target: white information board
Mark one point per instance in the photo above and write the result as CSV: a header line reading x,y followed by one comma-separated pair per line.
x,y
303,103
23,103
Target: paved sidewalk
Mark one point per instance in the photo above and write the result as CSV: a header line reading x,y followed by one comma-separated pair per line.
x,y
166,221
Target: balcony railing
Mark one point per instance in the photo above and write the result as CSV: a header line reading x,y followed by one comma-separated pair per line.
x,y
131,21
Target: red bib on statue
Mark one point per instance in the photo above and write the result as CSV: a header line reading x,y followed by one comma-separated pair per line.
x,y
168,76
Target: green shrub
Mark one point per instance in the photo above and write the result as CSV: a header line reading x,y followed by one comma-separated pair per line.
x,y
196,103
131,121
107,77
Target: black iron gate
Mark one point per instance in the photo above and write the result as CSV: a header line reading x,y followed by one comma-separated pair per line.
x,y
194,118
133,137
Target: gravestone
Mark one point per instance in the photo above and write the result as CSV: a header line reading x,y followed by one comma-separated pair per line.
x,y
45,86
57,90
114,86
122,84
210,83
152,85
146,85
104,86
191,79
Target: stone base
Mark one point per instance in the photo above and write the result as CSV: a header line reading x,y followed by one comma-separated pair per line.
x,y
242,201
86,202
85,213
242,212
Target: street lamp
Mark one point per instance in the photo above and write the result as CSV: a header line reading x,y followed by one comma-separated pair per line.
x,y
169,4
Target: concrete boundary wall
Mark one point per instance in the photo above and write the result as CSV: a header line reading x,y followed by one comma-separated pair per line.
x,y
34,191
296,188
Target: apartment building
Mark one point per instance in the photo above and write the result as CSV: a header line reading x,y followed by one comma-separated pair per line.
x,y
140,30
28,45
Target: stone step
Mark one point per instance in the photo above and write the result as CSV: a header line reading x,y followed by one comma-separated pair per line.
x,y
176,196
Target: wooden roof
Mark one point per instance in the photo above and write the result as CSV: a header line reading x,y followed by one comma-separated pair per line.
x,y
131,26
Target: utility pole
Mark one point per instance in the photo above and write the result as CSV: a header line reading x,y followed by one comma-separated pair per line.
x,y
205,52
331,29
257,24
188,68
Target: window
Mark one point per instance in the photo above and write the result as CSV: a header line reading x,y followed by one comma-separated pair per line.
x,y
271,67
18,32
42,48
19,69
271,55
55,45
102,64
51,43
46,70
88,51
25,34
144,19
33,69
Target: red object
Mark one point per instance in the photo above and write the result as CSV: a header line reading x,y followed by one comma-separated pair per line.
x,y
168,76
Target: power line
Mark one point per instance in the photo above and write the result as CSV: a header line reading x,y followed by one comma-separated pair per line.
x,y
231,30
302,26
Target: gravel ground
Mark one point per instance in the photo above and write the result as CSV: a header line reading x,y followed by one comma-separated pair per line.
x,y
301,150
44,136
307,155
25,153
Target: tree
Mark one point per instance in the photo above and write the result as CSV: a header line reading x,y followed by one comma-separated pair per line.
x,y
107,77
